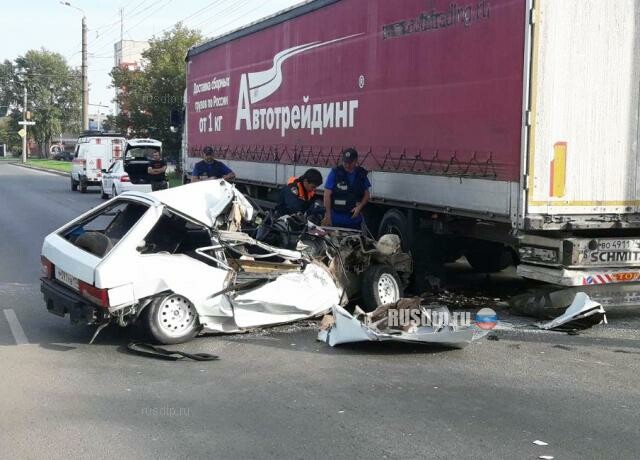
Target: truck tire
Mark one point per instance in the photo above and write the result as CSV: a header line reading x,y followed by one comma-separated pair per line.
x,y
380,285
488,256
395,222
74,185
171,318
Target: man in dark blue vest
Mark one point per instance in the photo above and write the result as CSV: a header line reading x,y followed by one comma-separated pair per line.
x,y
346,192
210,168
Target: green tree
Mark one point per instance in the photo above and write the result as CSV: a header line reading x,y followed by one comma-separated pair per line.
x,y
53,91
146,97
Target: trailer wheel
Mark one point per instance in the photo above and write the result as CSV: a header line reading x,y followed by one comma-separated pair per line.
x,y
488,256
396,223
171,318
380,285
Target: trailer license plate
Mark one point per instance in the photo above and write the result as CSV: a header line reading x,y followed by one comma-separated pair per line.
x,y
67,279
625,251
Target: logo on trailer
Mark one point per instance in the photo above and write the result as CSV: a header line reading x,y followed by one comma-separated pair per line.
x,y
258,86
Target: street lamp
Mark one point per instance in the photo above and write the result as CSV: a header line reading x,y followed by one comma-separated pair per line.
x,y
85,83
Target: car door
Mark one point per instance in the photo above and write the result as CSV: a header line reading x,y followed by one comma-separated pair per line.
x,y
108,177
118,171
76,163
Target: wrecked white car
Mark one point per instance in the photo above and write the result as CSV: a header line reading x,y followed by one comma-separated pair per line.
x,y
200,258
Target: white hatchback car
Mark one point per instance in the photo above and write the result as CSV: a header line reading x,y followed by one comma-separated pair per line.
x,y
126,176
178,261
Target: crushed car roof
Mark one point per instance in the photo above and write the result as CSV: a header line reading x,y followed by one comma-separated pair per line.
x,y
202,201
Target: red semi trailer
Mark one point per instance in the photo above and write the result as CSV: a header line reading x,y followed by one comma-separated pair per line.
x,y
504,130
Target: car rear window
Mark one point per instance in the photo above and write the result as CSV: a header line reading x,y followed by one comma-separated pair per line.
x,y
99,232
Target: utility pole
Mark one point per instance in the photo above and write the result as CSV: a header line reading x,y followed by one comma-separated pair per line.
x,y
24,119
85,81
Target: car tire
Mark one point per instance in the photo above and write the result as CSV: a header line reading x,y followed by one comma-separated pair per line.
x,y
103,195
380,285
74,185
171,318
114,191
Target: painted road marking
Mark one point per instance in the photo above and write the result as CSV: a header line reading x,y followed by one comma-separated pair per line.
x,y
16,328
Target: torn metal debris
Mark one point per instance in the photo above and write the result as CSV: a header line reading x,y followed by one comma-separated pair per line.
x,y
342,327
583,313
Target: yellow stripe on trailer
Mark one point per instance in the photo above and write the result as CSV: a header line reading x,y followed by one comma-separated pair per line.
x,y
558,170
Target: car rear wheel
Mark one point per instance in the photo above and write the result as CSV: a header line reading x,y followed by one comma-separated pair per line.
x,y
103,195
74,185
172,318
114,192
380,285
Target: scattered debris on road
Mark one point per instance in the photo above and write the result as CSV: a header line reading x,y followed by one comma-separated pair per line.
x,y
583,313
434,326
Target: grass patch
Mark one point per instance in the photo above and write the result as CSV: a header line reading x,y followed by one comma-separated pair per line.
x,y
64,166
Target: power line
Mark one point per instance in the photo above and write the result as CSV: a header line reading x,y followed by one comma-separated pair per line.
x,y
100,48
182,20
220,14
243,14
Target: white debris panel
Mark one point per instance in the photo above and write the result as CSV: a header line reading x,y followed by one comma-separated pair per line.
x,y
343,327
581,314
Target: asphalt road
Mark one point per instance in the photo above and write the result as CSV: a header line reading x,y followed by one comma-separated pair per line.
x,y
278,393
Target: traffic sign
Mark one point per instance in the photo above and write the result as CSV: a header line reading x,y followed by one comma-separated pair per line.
x,y
22,133
27,123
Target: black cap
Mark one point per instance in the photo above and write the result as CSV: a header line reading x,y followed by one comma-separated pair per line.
x,y
208,150
349,155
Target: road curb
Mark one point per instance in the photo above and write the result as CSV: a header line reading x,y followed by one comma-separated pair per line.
x,y
51,171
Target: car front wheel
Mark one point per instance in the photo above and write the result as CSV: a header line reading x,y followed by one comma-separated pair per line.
x,y
171,319
380,285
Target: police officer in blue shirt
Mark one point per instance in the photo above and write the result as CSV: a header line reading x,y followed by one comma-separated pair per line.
x,y
346,192
210,168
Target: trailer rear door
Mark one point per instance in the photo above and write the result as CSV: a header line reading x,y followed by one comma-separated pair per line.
x,y
584,119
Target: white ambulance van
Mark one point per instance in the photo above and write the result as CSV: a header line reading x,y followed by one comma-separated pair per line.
x,y
94,151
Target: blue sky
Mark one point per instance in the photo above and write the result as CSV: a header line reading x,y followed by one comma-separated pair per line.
x,y
36,24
